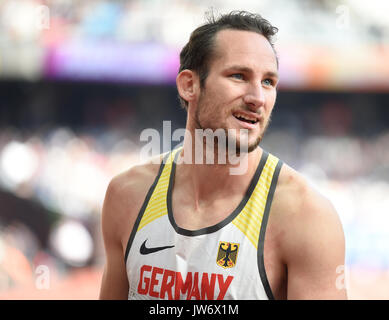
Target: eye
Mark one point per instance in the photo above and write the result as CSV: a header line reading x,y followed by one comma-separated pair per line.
x,y
268,82
237,76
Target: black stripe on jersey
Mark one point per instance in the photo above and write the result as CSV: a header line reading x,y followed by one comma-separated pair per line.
x,y
229,218
143,208
261,241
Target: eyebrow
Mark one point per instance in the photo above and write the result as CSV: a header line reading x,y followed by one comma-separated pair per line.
x,y
249,70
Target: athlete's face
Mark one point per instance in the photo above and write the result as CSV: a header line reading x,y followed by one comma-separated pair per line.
x,y
241,83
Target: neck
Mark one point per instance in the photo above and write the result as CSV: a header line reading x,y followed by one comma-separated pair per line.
x,y
208,182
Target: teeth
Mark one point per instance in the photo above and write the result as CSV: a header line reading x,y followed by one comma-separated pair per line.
x,y
246,118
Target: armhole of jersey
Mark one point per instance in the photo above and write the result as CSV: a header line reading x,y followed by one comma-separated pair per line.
x,y
143,208
261,241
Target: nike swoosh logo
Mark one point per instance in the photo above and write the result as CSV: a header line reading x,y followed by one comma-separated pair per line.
x,y
145,250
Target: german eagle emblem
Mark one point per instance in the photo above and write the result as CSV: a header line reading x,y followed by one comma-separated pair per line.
x,y
227,254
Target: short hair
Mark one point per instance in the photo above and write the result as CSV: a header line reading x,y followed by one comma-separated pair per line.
x,y
198,52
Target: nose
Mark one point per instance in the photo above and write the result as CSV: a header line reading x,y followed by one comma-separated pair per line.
x,y
254,97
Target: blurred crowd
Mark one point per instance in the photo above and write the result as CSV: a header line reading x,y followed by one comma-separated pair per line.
x,y
143,21
62,141
65,169
320,43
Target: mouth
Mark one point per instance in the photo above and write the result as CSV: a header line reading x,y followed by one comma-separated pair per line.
x,y
250,118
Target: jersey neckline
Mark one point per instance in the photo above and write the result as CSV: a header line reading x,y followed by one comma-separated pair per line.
x,y
226,220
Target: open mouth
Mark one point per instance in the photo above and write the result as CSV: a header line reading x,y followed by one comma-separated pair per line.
x,y
245,118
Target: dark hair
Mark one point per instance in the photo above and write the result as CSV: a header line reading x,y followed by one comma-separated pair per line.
x,y
197,53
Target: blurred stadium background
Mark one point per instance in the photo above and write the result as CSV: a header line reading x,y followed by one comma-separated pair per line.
x,y
79,81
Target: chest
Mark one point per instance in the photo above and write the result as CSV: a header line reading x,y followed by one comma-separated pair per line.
x,y
205,215
185,265
187,218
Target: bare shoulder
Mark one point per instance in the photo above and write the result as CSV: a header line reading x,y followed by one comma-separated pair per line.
x,y
124,197
303,213
130,184
294,196
310,239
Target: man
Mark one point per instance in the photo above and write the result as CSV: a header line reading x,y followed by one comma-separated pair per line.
x,y
186,230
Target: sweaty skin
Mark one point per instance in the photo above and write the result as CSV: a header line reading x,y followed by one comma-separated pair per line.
x,y
304,243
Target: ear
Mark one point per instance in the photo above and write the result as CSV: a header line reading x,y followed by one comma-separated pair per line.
x,y
187,85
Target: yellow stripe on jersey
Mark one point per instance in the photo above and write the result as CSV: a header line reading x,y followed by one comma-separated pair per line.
x,y
157,206
250,219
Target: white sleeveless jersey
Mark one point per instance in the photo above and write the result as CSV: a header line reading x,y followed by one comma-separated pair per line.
x,y
224,261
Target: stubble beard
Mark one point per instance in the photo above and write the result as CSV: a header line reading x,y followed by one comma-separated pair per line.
x,y
237,148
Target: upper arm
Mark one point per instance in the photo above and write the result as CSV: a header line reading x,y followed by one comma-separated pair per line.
x,y
123,200
114,283
314,251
